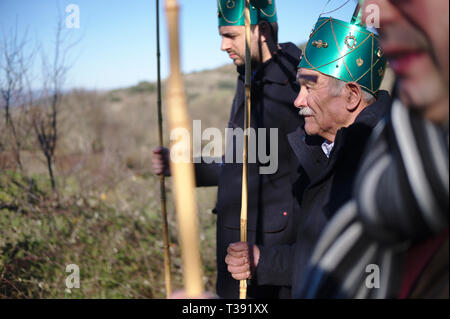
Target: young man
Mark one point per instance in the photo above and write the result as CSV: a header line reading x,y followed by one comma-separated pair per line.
x,y
272,208
391,240
340,75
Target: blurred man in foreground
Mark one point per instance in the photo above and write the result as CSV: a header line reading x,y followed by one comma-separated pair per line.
x,y
391,240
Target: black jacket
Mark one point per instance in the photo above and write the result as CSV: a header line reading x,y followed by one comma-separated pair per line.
x,y
330,180
272,205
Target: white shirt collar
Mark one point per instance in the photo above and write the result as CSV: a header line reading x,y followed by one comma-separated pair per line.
x,y
327,148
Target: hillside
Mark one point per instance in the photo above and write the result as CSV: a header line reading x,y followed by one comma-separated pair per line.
x,y
105,215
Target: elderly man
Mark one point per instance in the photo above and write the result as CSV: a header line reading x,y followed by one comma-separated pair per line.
x,y
272,206
340,75
391,239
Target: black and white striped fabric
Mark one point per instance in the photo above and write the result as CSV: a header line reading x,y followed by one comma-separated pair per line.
x,y
401,197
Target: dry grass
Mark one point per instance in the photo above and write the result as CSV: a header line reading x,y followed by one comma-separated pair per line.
x,y
106,215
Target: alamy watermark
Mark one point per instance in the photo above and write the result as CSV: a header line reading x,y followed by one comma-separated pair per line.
x,y
73,280
373,16
262,146
373,279
73,17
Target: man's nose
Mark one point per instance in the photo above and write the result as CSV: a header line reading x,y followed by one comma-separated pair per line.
x,y
225,44
301,100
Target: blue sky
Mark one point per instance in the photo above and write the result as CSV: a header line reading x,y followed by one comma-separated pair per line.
x,y
117,37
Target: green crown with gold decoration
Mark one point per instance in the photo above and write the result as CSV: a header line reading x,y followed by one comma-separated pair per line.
x,y
345,51
231,12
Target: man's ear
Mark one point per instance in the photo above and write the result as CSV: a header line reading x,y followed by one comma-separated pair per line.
x,y
353,95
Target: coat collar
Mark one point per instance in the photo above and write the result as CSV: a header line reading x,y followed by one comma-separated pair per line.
x,y
308,149
369,117
278,69
309,152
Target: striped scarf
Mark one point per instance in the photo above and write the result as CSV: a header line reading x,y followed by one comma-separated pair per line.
x,y
401,198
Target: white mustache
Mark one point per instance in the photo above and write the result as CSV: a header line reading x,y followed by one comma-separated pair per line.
x,y
306,111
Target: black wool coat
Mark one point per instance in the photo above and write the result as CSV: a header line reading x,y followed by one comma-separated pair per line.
x,y
272,205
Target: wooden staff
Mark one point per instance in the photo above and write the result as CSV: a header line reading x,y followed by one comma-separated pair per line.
x,y
162,185
247,114
183,171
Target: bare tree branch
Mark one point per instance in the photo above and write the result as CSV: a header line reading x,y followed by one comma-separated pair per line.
x,y
45,121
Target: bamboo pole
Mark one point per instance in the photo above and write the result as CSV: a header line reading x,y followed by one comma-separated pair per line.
x,y
162,185
248,80
183,171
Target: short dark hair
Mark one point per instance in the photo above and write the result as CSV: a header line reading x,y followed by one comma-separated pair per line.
x,y
274,27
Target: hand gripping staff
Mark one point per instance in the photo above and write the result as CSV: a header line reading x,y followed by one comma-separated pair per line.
x,y
247,113
183,171
162,185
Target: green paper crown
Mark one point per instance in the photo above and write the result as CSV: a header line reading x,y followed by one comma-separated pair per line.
x,y
231,12
345,51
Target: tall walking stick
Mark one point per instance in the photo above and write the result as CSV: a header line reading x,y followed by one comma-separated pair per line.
x,y
162,185
183,170
248,84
